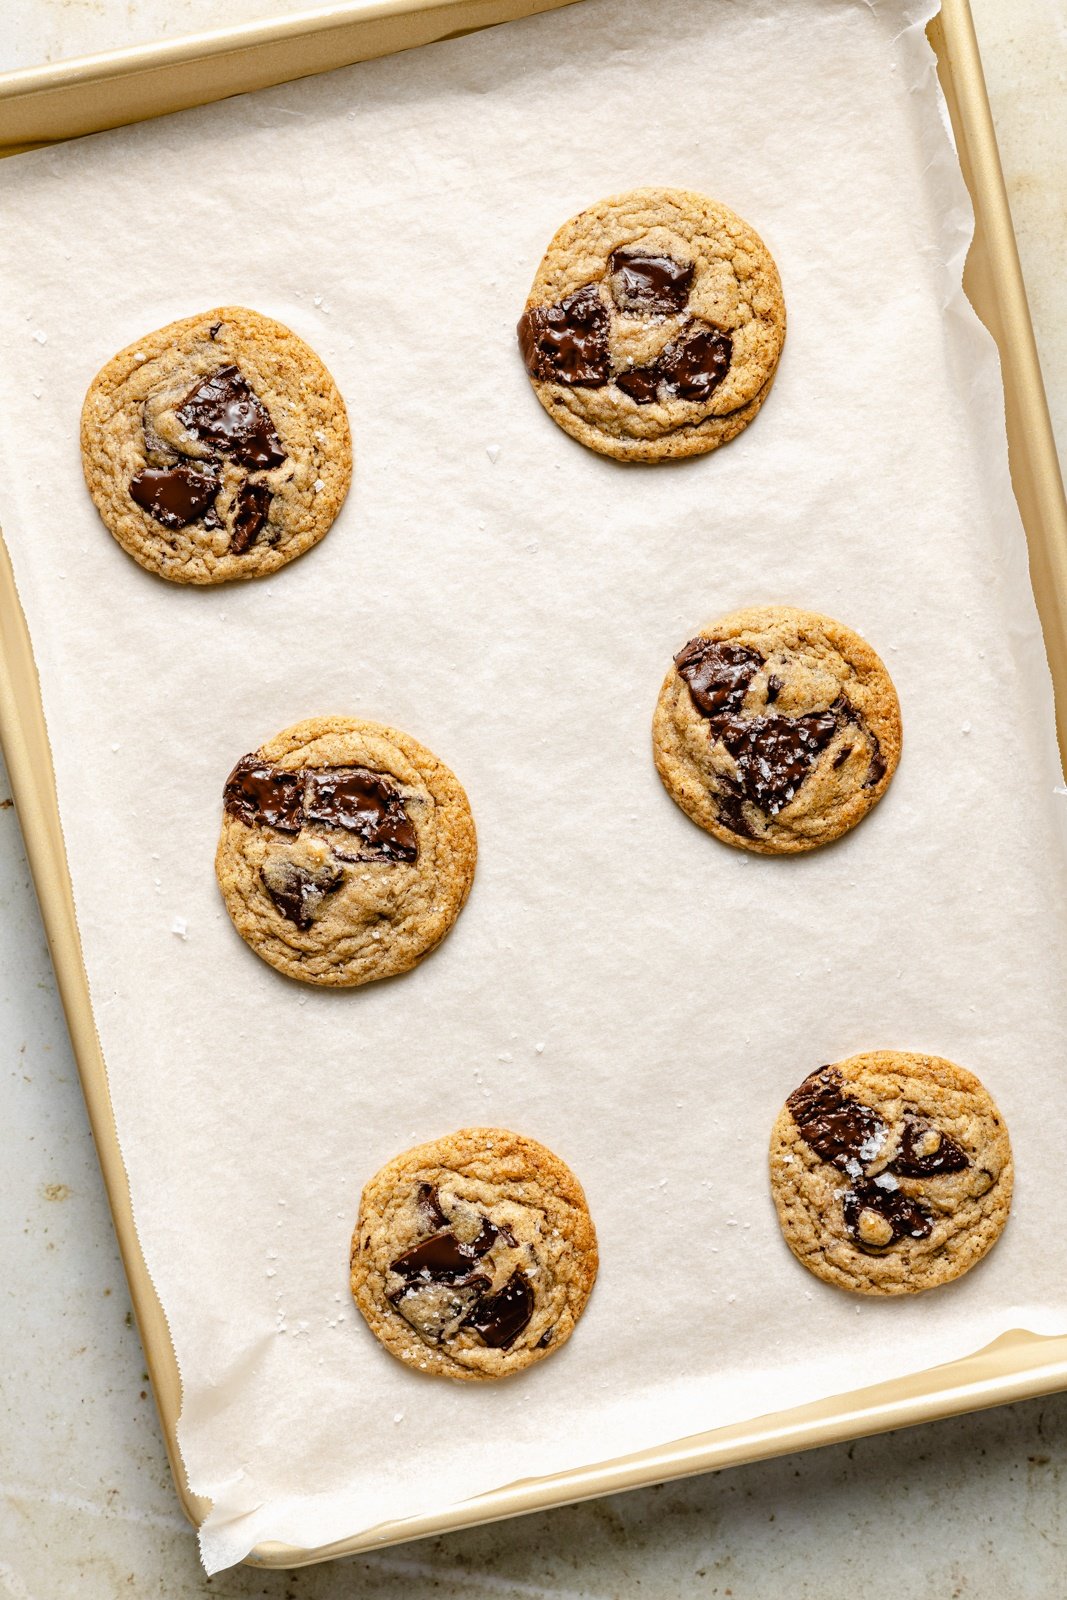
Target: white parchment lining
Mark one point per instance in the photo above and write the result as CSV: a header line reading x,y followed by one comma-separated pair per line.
x,y
620,985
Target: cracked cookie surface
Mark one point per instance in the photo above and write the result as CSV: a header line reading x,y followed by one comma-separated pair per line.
x,y
891,1172
216,448
776,729
474,1255
347,851
654,325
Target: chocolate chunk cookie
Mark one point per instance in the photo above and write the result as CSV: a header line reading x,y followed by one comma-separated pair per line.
x,y
216,448
654,325
347,851
776,730
474,1255
891,1172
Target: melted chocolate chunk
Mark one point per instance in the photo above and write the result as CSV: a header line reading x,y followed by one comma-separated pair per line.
x,y
430,1213
730,814
500,1318
439,1259
250,507
907,1219
568,342
213,330
774,688
647,285
225,413
353,798
692,368
876,770
842,756
838,1128
640,383
926,1150
774,754
297,893
365,803
545,1339
718,675
261,794
175,496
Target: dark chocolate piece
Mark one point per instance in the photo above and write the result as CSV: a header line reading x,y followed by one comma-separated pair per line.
x,y
443,1258
568,342
175,496
365,803
430,1213
250,508
297,893
921,1157
774,754
838,1128
842,756
488,1235
730,814
265,796
774,688
640,383
718,675
907,1218
439,1259
545,1339
213,330
225,413
649,285
500,1318
352,798
876,770
693,367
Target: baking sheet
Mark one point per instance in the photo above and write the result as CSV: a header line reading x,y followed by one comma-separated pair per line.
x,y
517,614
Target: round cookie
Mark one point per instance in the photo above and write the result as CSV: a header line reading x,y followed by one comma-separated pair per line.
x,y
891,1172
776,730
216,448
654,325
347,851
473,1256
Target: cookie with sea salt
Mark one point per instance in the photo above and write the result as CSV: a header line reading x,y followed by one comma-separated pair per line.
x,y
891,1172
216,448
776,730
654,325
347,851
473,1256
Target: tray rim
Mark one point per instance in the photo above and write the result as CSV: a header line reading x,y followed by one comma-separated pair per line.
x,y
1019,1365
87,94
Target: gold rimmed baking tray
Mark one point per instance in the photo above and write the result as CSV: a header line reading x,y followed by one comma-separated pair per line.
x,y
46,104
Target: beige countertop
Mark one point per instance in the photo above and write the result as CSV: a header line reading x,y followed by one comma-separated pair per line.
x,y
971,1507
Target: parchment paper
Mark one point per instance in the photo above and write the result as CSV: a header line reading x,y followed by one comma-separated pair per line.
x,y
620,985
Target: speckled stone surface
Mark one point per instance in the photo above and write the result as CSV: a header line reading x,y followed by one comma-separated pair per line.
x,y
969,1508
